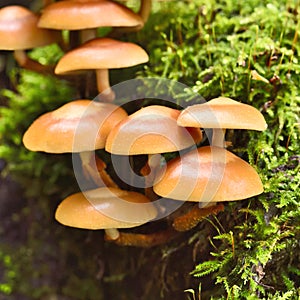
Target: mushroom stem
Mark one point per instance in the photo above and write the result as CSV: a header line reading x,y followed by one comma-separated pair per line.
x,y
194,216
99,176
149,172
88,34
143,240
103,86
145,9
218,137
112,233
46,2
74,39
27,63
144,12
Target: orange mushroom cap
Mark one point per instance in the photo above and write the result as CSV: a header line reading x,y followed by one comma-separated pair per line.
x,y
224,113
101,53
80,125
208,174
19,31
83,14
105,208
151,130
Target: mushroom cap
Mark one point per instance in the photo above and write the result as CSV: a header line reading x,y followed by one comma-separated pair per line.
x,y
83,14
101,53
151,130
19,31
105,208
224,113
208,174
80,125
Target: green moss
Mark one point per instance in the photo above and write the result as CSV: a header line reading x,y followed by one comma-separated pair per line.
x,y
218,48
35,95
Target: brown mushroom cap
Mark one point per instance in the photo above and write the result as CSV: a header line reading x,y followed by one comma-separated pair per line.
x,y
19,31
101,53
83,14
133,208
208,171
81,125
224,113
151,130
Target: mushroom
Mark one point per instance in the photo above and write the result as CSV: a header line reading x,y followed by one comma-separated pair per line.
x,y
208,174
105,208
151,130
19,32
87,15
187,177
101,54
222,113
78,126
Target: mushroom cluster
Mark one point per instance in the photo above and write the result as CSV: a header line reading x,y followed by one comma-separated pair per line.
x,y
57,131
206,175
211,174
94,53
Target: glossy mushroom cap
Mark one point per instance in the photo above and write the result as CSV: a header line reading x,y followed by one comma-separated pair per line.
x,y
83,14
208,174
101,53
224,113
19,31
81,125
105,208
151,130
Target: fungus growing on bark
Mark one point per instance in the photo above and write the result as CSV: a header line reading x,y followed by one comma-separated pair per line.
x,y
102,54
220,114
106,208
144,240
191,219
19,32
79,126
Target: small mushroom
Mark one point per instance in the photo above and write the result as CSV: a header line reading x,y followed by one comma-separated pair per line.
x,y
222,113
151,130
19,32
101,54
206,175
87,15
78,126
106,208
